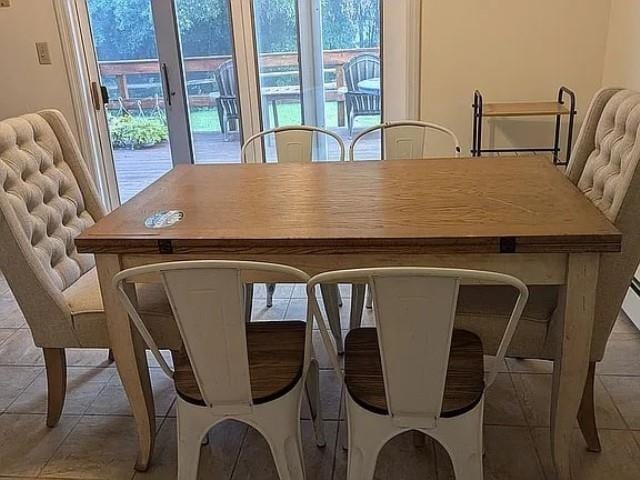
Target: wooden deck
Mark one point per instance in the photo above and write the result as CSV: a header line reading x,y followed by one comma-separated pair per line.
x,y
136,169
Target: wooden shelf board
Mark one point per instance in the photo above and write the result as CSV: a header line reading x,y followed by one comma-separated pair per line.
x,y
523,109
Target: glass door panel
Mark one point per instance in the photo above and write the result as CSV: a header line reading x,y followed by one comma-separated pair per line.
x,y
124,38
206,42
351,44
277,45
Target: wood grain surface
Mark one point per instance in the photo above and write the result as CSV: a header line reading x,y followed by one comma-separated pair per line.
x,y
523,109
364,378
482,205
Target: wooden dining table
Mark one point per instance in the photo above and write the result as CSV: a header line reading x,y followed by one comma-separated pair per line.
x,y
516,215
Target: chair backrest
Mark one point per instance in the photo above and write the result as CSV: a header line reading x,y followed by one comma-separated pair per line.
x,y
362,67
47,198
404,139
226,78
415,309
604,165
207,300
294,143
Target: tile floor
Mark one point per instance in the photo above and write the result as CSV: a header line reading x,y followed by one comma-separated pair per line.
x,y
96,439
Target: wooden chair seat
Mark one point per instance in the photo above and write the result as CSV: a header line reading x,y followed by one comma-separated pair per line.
x,y
465,374
276,356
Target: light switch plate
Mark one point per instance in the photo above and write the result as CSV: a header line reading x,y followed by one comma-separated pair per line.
x,y
43,53
5,3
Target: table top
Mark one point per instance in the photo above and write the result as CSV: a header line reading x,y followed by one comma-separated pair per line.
x,y
452,205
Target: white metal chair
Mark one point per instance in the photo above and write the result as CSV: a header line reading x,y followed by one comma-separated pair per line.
x,y
294,144
414,371
401,140
405,139
230,369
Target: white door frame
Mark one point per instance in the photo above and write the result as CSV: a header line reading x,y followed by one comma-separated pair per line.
x,y
81,65
401,59
173,80
247,74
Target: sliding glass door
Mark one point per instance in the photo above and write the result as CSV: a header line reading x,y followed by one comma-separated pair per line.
x,y
319,64
189,80
132,94
206,41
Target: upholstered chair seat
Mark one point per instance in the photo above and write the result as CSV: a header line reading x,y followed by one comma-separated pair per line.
x,y
47,198
485,311
88,318
604,166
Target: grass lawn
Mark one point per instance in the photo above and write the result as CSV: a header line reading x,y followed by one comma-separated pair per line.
x,y
206,120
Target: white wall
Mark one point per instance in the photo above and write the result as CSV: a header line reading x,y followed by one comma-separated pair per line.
x,y
25,85
510,50
622,60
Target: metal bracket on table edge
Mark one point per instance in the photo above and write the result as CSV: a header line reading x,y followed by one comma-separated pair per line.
x,y
165,246
508,245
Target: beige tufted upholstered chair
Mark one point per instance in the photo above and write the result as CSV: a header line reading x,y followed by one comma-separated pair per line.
x,y
47,197
604,165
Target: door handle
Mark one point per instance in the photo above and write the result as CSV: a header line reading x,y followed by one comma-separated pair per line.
x,y
99,95
166,84
96,96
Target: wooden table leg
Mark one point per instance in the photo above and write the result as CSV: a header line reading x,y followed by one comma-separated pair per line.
x,y
358,292
572,359
330,299
248,301
131,360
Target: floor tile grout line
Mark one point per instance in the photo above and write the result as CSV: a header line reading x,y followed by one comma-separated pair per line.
x,y
528,426
15,331
62,442
22,391
242,444
615,405
335,450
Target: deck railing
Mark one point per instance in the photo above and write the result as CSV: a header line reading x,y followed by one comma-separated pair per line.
x,y
122,70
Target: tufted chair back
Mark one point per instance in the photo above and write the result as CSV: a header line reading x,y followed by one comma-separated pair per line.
x,y
47,198
604,166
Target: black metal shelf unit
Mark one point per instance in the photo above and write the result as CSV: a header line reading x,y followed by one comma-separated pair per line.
x,y
558,109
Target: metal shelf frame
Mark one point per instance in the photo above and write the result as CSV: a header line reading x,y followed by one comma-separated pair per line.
x,y
478,116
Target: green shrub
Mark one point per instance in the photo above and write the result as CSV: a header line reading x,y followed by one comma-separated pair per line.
x,y
128,131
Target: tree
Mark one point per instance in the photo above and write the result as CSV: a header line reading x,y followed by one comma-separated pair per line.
x,y
123,29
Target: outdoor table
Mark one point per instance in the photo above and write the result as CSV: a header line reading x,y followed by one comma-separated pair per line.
x,y
370,85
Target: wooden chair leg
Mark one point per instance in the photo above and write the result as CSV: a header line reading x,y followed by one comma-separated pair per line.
x,y
56,366
587,412
110,357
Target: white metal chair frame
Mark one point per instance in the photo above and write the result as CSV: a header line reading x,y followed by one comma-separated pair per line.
x,y
300,136
294,143
387,126
227,393
388,146
368,431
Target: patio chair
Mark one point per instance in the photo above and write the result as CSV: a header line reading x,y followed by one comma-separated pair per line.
x,y
47,198
414,370
255,373
361,103
227,102
294,144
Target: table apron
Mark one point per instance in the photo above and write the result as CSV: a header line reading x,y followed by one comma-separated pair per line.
x,y
533,269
